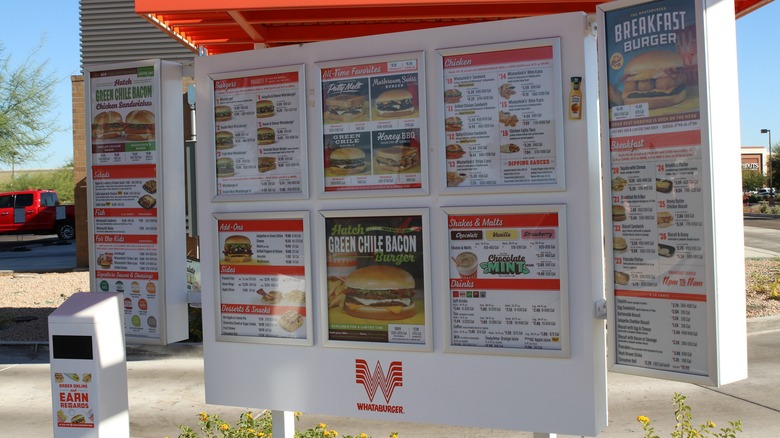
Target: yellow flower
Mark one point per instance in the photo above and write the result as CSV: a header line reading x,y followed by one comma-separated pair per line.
x,y
394,435
224,426
363,435
710,424
333,433
642,419
260,434
249,415
203,416
297,414
322,426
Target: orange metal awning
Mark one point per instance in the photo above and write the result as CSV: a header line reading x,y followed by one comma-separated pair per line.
x,y
235,25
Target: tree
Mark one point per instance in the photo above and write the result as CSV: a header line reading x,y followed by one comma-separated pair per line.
x,y
752,180
26,120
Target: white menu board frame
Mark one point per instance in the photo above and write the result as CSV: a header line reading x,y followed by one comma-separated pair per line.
x,y
277,294
266,116
675,278
136,204
509,126
390,132
466,282
376,242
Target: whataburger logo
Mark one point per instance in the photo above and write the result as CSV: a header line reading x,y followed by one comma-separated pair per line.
x,y
379,380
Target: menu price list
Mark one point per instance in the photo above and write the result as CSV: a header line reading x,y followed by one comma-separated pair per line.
x,y
261,278
505,280
258,134
495,319
499,118
662,332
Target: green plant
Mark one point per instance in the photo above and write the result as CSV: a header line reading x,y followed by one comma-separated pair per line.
x,y
249,426
684,427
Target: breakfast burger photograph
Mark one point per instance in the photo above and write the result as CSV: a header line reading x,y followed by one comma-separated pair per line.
x,y
657,79
382,297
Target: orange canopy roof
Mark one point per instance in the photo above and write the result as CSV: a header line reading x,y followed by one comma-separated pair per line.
x,y
234,25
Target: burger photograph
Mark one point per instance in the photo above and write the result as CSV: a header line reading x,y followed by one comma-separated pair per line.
x,y
266,136
344,108
265,108
139,125
395,159
223,113
347,161
107,125
224,139
395,103
225,167
237,249
654,77
380,292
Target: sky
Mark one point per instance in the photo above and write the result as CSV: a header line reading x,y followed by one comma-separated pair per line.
x,y
55,24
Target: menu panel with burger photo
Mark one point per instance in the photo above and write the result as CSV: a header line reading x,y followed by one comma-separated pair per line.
x,y
257,134
262,279
375,105
376,280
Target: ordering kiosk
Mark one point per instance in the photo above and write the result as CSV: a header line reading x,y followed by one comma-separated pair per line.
x,y
88,367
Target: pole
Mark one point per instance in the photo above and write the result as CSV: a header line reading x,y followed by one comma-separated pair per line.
x,y
769,164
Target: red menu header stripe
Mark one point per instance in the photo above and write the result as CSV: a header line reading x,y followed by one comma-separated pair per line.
x,y
260,309
503,221
130,275
505,284
256,81
655,141
660,295
255,225
132,171
297,271
118,239
124,212
498,57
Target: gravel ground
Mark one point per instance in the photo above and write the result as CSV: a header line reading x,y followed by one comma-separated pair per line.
x,y
26,300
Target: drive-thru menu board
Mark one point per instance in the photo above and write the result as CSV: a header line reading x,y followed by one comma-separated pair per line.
x,y
125,159
656,160
258,136
502,116
507,280
373,122
263,279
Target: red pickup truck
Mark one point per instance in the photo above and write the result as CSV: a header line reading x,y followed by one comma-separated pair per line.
x,y
36,212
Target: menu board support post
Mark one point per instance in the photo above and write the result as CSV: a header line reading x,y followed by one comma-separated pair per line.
x,y
283,423
677,259
135,173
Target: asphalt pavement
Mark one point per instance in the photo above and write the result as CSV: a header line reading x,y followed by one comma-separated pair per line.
x,y
166,386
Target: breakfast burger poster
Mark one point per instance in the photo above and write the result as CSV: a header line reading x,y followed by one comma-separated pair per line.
x,y
373,119
376,279
652,67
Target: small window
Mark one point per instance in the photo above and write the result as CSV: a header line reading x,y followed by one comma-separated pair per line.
x,y
25,200
6,201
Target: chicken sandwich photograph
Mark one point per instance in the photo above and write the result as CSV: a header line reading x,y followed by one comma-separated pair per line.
x,y
139,125
107,125
397,102
380,292
237,249
656,78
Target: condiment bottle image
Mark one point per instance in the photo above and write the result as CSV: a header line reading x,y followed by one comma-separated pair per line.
x,y
575,99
